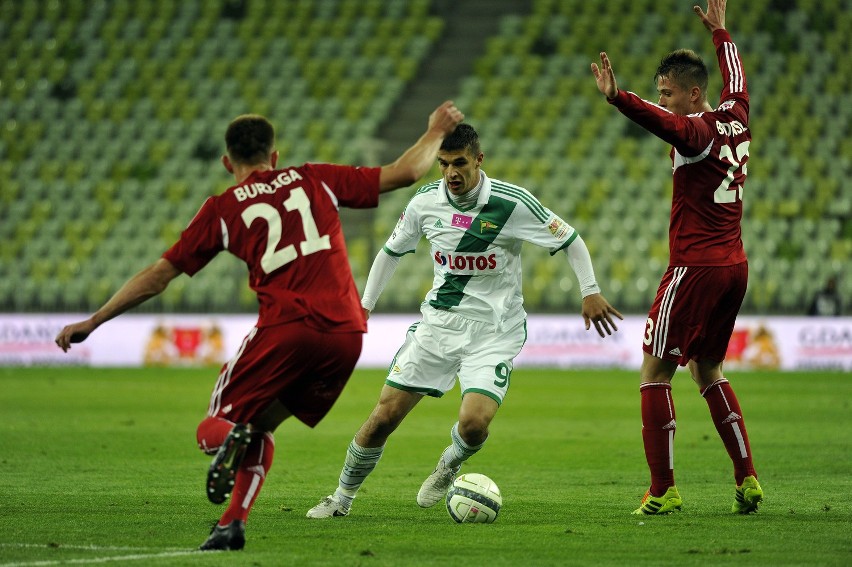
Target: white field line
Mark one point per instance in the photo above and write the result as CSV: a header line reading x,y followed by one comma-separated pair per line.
x,y
153,554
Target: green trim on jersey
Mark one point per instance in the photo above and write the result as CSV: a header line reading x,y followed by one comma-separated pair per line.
x,y
567,242
456,207
428,187
523,196
390,252
482,232
491,395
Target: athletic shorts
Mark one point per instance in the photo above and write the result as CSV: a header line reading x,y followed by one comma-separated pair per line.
x,y
305,369
694,313
444,346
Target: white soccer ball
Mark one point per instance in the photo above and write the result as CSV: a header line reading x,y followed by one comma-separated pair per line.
x,y
474,498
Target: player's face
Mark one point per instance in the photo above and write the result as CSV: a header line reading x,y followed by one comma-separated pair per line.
x,y
673,97
460,170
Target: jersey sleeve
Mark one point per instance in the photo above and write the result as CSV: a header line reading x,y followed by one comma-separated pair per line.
x,y
353,187
538,225
734,97
406,234
689,134
200,241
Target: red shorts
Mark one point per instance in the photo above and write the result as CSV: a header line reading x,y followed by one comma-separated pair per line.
x,y
305,369
694,313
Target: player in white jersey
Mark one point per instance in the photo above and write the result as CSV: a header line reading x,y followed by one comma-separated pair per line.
x,y
474,323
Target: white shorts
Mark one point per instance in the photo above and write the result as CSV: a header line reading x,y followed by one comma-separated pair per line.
x,y
444,345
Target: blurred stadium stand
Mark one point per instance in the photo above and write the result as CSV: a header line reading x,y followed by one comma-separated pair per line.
x,y
112,114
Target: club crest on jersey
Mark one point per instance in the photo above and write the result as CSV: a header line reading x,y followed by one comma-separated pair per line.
x,y
462,221
487,225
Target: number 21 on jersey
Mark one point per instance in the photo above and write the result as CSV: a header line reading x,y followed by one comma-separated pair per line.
x,y
297,201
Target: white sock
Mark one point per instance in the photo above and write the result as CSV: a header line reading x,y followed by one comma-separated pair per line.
x,y
360,462
458,451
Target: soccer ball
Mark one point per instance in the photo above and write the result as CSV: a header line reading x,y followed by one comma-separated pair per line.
x,y
474,498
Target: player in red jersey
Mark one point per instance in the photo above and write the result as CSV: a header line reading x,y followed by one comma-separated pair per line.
x,y
693,315
284,224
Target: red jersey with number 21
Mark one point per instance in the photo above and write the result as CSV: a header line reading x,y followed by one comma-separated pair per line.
x,y
709,155
284,224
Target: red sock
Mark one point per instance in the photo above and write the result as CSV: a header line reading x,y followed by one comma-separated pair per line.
x,y
728,419
211,433
250,477
658,429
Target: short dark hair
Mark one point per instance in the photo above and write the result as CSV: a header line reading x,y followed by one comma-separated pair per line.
x,y
249,139
685,68
463,137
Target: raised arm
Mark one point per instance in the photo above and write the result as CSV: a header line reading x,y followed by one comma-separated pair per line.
x,y
148,283
416,161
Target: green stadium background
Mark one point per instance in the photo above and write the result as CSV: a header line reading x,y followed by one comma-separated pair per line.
x,y
112,115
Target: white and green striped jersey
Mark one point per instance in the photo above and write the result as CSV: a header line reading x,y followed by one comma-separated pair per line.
x,y
476,253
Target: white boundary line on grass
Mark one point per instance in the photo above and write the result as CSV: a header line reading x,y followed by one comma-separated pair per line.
x,y
133,557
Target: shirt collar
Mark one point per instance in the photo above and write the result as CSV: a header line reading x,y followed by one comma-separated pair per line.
x,y
443,197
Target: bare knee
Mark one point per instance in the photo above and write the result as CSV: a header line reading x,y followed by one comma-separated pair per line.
x,y
656,370
705,372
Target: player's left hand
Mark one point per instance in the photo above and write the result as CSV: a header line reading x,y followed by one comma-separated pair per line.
x,y
74,333
597,310
714,18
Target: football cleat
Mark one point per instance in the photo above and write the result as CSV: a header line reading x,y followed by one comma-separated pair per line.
x,y
436,485
226,538
223,469
748,496
656,505
330,507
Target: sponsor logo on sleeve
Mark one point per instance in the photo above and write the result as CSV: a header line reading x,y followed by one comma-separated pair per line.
x,y
558,228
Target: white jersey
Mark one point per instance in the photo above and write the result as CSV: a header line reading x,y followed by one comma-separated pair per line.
x,y
476,252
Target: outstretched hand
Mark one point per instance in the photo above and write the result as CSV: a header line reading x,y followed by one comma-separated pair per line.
x,y
714,18
604,77
74,333
597,310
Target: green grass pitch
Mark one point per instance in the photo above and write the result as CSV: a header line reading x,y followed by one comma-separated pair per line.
x,y
100,466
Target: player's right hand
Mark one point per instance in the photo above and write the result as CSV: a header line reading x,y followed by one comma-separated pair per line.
x,y
74,333
445,118
605,77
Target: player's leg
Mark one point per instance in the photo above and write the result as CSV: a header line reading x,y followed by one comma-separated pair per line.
x,y
484,379
422,366
256,462
365,450
467,437
245,446
728,419
729,284
673,326
658,431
